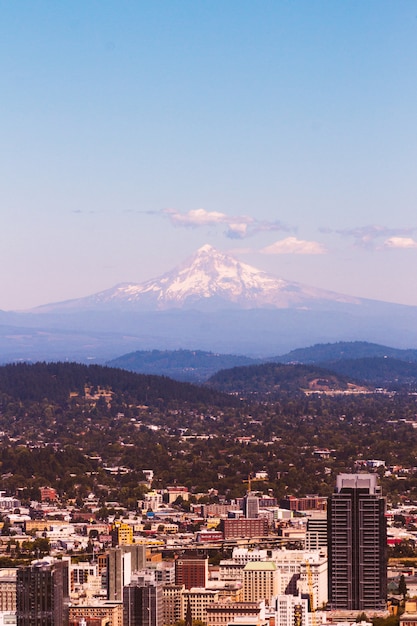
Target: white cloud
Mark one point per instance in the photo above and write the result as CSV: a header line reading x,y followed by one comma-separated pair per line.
x,y
368,236
236,227
400,242
195,217
292,245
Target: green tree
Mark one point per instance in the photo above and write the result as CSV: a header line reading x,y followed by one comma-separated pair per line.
x,y
402,586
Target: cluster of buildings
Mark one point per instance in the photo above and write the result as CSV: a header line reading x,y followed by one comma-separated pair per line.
x,y
325,567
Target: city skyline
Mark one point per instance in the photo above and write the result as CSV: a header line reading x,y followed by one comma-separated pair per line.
x,y
278,132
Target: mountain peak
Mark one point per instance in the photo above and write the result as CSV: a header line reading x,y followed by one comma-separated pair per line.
x,y
206,249
208,280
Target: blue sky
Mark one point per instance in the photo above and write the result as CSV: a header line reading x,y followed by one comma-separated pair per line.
x,y
134,132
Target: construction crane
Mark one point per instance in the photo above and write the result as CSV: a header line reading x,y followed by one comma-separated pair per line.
x,y
251,479
310,584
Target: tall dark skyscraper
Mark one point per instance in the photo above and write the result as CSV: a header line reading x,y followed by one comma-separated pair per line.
x,y
42,592
357,544
143,602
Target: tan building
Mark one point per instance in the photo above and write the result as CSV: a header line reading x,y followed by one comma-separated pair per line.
x,y
8,589
409,617
111,612
172,603
222,613
260,581
177,491
200,599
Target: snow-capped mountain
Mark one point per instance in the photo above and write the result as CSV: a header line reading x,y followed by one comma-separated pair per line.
x,y
212,302
209,280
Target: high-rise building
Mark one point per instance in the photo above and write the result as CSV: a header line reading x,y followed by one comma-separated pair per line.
x,y
42,594
251,506
121,563
142,602
260,581
357,544
191,570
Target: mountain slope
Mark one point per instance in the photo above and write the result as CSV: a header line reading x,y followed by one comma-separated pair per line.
x,y
210,280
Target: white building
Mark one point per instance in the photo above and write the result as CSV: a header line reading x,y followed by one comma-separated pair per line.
x,y
291,611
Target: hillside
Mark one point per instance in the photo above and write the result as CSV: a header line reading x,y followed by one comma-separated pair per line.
x,y
323,352
57,382
185,365
270,379
378,371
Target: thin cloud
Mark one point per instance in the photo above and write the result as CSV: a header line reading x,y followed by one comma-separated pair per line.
x,y
292,245
368,236
400,242
236,227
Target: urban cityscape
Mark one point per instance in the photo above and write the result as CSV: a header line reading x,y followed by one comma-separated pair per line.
x,y
253,562
208,313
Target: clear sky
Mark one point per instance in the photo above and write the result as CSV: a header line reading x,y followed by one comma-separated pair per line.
x,y
133,132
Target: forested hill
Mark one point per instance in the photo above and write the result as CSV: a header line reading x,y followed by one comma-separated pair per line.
x,y
270,379
186,365
326,352
57,381
378,371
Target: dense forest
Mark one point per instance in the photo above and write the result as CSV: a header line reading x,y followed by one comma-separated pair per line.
x,y
67,425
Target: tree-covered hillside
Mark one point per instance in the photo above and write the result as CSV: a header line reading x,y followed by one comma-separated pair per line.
x,y
323,352
270,379
186,365
57,381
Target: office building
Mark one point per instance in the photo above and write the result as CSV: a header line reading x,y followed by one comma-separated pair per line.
x,y
121,534
96,613
222,613
291,611
316,534
172,603
7,589
357,544
260,581
251,506
196,601
191,570
121,563
42,594
245,527
142,601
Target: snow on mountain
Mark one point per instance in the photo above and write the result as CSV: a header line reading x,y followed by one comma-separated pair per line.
x,y
208,280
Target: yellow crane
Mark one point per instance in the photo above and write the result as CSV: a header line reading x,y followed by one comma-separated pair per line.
x,y
310,584
251,479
